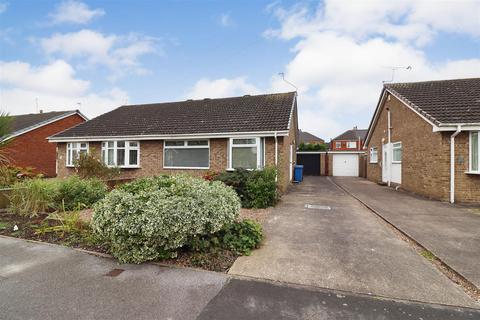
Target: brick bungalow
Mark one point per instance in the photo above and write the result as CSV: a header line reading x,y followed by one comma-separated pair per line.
x,y
29,147
193,136
424,136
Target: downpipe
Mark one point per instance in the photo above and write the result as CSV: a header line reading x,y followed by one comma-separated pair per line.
x,y
452,163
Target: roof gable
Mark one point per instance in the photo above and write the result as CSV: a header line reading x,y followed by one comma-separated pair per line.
x,y
307,136
269,112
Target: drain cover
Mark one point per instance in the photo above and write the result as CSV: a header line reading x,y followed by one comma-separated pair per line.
x,y
317,206
114,272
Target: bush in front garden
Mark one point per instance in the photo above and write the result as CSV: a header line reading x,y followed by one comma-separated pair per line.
x,y
33,196
256,188
151,218
76,193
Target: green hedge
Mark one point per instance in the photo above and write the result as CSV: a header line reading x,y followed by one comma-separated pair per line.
x,y
151,218
256,188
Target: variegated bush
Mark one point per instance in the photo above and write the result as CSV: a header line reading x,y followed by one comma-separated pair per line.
x,y
153,223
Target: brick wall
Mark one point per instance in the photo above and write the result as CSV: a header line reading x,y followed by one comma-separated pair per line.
x,y
426,155
32,149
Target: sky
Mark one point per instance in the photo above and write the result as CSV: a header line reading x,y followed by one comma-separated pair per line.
x,y
98,55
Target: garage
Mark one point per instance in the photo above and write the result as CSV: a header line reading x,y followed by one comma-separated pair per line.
x,y
345,164
310,162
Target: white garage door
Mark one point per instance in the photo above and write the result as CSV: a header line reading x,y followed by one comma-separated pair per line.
x,y
345,165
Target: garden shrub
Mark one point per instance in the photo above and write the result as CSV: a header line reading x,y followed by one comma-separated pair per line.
x,y
33,196
9,175
256,188
76,193
240,237
87,166
152,218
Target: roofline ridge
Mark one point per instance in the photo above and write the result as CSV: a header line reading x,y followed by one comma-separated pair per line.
x,y
429,81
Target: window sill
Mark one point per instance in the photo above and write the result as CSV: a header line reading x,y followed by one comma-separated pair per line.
x,y
396,162
187,168
472,172
373,162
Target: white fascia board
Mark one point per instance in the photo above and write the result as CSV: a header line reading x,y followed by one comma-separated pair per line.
x,y
311,152
172,137
453,127
44,123
352,152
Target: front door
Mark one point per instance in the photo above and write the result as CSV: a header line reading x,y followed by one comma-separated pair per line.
x,y
385,163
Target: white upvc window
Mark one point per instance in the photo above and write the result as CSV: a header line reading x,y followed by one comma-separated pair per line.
x,y
352,144
397,152
373,155
74,149
474,160
338,145
246,153
186,154
123,154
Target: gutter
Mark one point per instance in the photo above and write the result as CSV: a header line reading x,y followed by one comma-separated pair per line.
x,y
452,163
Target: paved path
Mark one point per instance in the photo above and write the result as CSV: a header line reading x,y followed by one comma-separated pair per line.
x,y
39,281
451,232
345,248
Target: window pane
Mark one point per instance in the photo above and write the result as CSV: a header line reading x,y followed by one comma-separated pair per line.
x,y
397,152
245,141
110,154
120,144
133,144
133,161
474,156
110,144
174,143
198,143
244,158
83,145
120,157
187,158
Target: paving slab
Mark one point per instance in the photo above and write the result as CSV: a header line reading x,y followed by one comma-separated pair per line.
x,y
345,248
40,281
451,232
245,300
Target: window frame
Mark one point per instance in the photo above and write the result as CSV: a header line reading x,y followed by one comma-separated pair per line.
x,y
259,144
338,144
375,160
186,146
348,144
127,148
78,148
395,146
470,153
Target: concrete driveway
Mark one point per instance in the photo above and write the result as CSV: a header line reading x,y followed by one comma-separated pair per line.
x,y
346,248
451,232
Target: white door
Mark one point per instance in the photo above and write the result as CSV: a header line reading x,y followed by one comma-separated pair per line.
x,y
345,165
385,163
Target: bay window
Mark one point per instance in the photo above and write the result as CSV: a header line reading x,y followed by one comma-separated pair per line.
x,y
373,155
474,154
186,154
74,149
397,152
123,154
246,153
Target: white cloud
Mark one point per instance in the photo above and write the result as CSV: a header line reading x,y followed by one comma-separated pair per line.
x,y
56,88
119,53
220,88
3,7
75,12
343,52
226,20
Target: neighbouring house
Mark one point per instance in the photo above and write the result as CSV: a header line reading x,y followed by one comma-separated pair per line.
x,y
424,136
194,136
29,146
346,153
308,138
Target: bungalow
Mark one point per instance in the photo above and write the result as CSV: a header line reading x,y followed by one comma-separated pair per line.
x,y
29,147
192,136
424,136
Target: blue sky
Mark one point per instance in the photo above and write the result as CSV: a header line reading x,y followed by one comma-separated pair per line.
x,y
97,55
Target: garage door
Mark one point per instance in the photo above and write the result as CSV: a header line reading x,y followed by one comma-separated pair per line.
x,y
345,165
310,162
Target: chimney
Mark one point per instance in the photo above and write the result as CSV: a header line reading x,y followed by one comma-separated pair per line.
x,y
355,128
41,111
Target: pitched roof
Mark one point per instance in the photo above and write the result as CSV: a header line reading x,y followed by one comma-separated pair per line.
x,y
306,137
442,102
267,112
353,134
25,122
